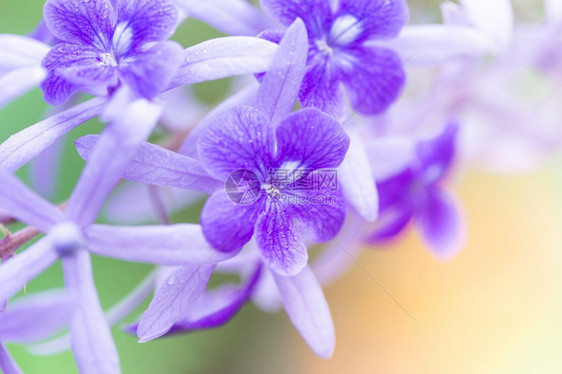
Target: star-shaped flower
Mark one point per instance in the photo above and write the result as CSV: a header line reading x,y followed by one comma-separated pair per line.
x,y
341,51
105,45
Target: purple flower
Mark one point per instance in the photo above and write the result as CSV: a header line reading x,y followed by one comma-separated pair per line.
x,y
303,143
255,140
104,46
31,319
341,51
416,193
72,235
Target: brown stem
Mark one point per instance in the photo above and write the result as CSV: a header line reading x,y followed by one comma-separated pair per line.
x,y
11,243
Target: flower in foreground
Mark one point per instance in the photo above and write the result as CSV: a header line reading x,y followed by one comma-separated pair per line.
x,y
253,139
341,51
417,193
278,160
105,45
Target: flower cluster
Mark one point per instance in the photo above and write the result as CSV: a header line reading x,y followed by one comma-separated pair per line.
x,y
321,143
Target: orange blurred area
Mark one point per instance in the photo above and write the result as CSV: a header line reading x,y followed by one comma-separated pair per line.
x,y
496,308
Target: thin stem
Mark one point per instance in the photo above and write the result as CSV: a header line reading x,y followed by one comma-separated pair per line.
x,y
11,243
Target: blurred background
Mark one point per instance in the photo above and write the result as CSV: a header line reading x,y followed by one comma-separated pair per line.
x,y
496,308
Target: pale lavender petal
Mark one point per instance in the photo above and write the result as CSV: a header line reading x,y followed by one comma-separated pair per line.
x,y
44,171
441,224
266,295
287,11
246,96
131,204
180,115
92,344
391,223
20,52
157,166
282,82
282,247
174,298
20,148
7,363
143,21
17,82
495,18
162,245
74,67
375,80
312,138
117,146
438,44
25,266
307,308
113,315
232,17
338,256
81,21
228,225
25,205
390,155
35,317
357,180
217,307
225,57
241,139
376,18
436,155
150,72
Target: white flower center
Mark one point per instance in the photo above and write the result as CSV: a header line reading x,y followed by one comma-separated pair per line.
x,y
323,47
345,30
108,59
122,39
66,238
270,190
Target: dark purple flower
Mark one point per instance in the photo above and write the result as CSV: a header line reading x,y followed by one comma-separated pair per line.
x,y
303,143
417,193
341,51
104,46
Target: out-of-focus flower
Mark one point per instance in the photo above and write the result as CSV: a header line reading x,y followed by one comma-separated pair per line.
x,y
103,47
34,318
417,193
20,65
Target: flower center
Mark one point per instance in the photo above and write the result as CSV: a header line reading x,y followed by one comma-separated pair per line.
x,y
270,190
66,238
108,59
345,30
324,48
